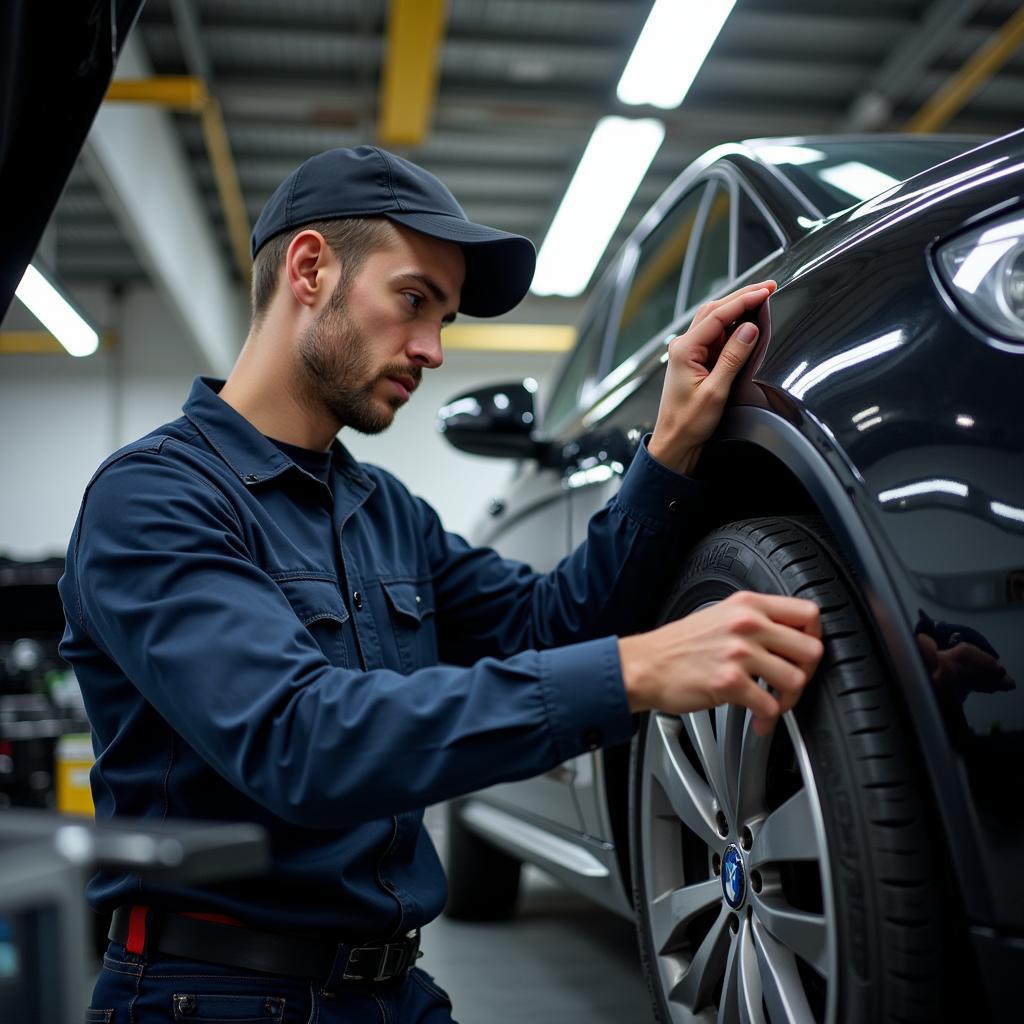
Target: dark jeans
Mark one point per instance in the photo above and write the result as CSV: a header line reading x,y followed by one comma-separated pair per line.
x,y
132,990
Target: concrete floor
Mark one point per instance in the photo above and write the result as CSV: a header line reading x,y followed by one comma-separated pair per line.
x,y
560,960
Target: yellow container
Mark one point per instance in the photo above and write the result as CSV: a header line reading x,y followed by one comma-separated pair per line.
x,y
74,759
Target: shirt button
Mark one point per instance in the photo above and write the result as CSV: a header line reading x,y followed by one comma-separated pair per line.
x,y
186,1005
251,478
592,739
673,506
357,600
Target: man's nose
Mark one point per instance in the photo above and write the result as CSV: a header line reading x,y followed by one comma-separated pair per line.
x,y
425,348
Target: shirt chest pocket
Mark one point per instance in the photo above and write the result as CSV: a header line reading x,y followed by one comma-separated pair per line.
x,y
411,612
318,605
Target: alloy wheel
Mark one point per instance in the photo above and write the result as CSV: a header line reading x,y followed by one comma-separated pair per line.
x,y
736,884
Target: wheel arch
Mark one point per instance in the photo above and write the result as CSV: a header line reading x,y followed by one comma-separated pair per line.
x,y
761,464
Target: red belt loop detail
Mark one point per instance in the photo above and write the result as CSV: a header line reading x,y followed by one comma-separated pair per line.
x,y
136,942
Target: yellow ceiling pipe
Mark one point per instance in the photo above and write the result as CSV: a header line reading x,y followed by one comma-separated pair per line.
x,y
188,93
474,337
959,89
410,71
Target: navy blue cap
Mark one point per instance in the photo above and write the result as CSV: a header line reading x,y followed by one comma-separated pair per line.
x,y
370,182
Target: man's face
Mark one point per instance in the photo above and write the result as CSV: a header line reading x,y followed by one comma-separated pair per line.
x,y
364,354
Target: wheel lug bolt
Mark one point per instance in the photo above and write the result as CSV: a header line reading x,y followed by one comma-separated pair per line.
x,y
747,840
755,881
723,825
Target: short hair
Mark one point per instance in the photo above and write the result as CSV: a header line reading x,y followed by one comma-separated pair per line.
x,y
352,240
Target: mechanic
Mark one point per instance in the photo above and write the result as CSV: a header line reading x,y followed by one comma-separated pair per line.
x,y
267,631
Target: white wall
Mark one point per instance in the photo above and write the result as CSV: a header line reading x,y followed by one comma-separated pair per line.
x,y
60,417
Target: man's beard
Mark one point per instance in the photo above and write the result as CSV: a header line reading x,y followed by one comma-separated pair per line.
x,y
336,370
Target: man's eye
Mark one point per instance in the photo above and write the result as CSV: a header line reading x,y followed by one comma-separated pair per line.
x,y
413,299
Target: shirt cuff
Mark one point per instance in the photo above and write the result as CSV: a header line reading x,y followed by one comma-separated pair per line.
x,y
585,696
655,494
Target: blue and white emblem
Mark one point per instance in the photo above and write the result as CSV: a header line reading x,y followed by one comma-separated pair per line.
x,y
733,879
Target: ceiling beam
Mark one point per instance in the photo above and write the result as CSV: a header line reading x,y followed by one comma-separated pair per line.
x,y
410,72
42,343
899,73
507,337
137,163
983,64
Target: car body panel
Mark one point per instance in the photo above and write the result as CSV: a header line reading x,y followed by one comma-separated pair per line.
x,y
868,383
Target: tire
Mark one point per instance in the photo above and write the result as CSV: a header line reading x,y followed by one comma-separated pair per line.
x,y
483,881
837,898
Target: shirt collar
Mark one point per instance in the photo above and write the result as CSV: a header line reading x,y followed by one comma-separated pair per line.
x,y
251,456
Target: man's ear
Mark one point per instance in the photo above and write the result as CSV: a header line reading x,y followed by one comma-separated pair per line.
x,y
311,268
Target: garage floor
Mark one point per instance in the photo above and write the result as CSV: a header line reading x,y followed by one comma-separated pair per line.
x,y
560,960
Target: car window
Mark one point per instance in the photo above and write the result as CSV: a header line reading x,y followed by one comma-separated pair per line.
x,y
755,237
711,264
651,302
580,364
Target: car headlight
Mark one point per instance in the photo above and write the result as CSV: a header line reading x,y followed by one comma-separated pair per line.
x,y
984,271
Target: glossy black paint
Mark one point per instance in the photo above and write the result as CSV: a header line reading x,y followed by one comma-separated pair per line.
x,y
55,67
942,403
925,394
497,420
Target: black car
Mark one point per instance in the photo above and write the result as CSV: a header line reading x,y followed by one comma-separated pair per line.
x,y
866,862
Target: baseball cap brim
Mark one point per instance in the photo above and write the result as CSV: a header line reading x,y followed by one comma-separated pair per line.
x,y
499,264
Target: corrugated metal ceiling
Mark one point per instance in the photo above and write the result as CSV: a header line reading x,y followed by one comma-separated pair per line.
x,y
522,84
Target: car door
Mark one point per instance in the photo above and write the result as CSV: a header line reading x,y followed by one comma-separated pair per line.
x,y
533,527
715,234
646,308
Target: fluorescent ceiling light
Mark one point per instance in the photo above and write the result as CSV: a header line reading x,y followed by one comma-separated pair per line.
x,y
857,179
56,314
670,51
609,173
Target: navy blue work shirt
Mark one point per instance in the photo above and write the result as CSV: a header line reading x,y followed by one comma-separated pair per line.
x,y
322,658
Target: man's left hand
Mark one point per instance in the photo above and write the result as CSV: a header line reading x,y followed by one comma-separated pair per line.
x,y
696,383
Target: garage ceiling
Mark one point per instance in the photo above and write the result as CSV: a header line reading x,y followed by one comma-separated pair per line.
x,y
521,86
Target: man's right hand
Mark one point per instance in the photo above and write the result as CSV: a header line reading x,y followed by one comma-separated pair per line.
x,y
716,656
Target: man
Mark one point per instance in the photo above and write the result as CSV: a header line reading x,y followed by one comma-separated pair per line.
x,y
265,630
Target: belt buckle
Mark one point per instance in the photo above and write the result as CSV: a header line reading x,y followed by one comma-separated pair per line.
x,y
395,958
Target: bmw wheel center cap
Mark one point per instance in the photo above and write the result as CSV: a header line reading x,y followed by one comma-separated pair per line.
x,y
734,882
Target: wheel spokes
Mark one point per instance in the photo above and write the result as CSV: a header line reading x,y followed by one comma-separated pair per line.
x,y
787,834
753,765
800,931
781,986
671,913
695,988
729,719
688,794
702,736
741,990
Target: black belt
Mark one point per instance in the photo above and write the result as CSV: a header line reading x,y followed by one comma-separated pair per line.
x,y
144,930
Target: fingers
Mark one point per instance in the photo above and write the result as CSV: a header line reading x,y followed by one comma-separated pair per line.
x,y
715,304
788,611
777,640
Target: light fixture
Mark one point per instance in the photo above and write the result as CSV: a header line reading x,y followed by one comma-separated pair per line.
x,y
56,314
609,173
672,47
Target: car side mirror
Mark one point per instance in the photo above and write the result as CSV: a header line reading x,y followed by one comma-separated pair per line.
x,y
496,421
